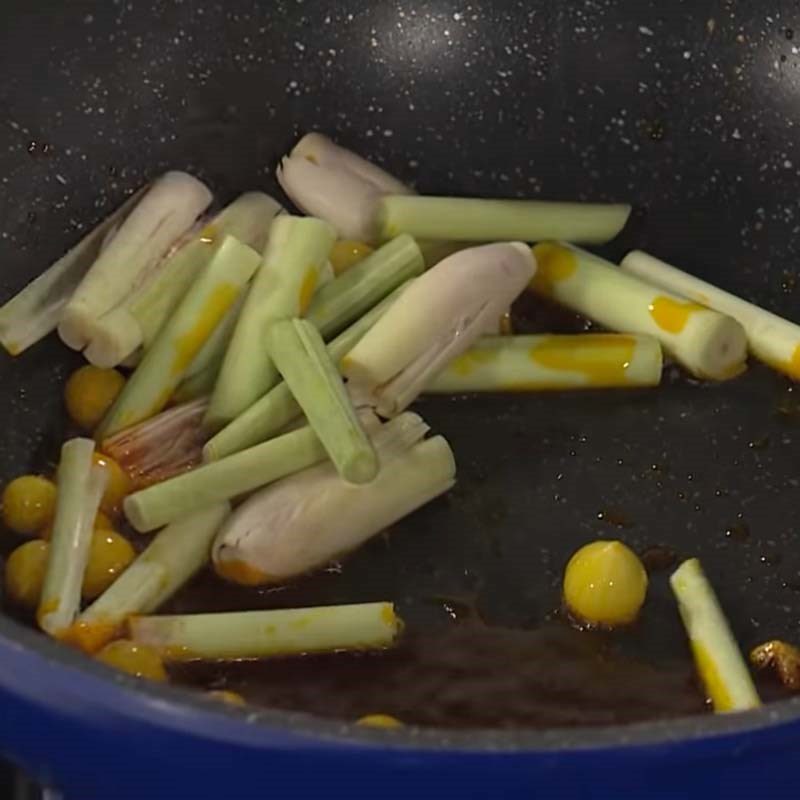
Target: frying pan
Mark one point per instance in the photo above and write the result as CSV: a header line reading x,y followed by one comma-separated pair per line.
x,y
687,109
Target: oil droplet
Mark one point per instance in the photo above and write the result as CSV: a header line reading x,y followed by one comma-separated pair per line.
x,y
659,558
789,34
615,517
672,315
738,532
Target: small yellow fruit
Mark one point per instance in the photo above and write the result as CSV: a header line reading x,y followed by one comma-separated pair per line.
x,y
379,721
138,660
119,484
25,571
90,392
605,583
345,254
29,503
109,556
225,696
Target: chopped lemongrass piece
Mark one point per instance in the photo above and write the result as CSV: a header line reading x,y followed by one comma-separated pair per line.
x,y
552,362
347,253
160,448
707,343
332,183
717,657
80,488
770,338
277,408
174,556
212,353
283,287
196,387
36,311
351,295
434,321
458,219
167,210
299,354
240,635
305,521
225,479
138,319
216,289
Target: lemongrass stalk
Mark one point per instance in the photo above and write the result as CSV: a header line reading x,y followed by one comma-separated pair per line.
x,y
267,634
137,320
437,318
542,363
299,354
355,292
717,657
332,183
215,291
708,344
212,353
225,479
196,387
36,311
308,519
80,488
320,150
171,559
770,338
164,446
165,212
283,287
478,220
277,408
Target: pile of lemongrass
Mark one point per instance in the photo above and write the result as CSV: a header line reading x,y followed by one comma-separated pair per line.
x,y
265,423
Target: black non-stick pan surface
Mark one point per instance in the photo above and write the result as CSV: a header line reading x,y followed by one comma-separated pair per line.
x,y
688,110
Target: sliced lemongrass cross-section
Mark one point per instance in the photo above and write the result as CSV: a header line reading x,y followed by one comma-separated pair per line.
x,y
708,344
332,183
164,213
35,311
434,321
278,407
81,485
137,320
552,362
296,255
163,366
161,447
459,219
299,354
717,657
240,635
303,522
225,479
171,559
770,338
352,294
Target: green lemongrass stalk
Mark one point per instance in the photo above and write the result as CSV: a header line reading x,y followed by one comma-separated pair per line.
x,y
166,211
476,220
137,320
213,351
283,287
356,291
551,362
332,183
770,338
171,559
277,408
163,366
265,634
80,488
707,343
225,479
304,521
437,318
161,447
299,353
717,656
196,387
36,311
